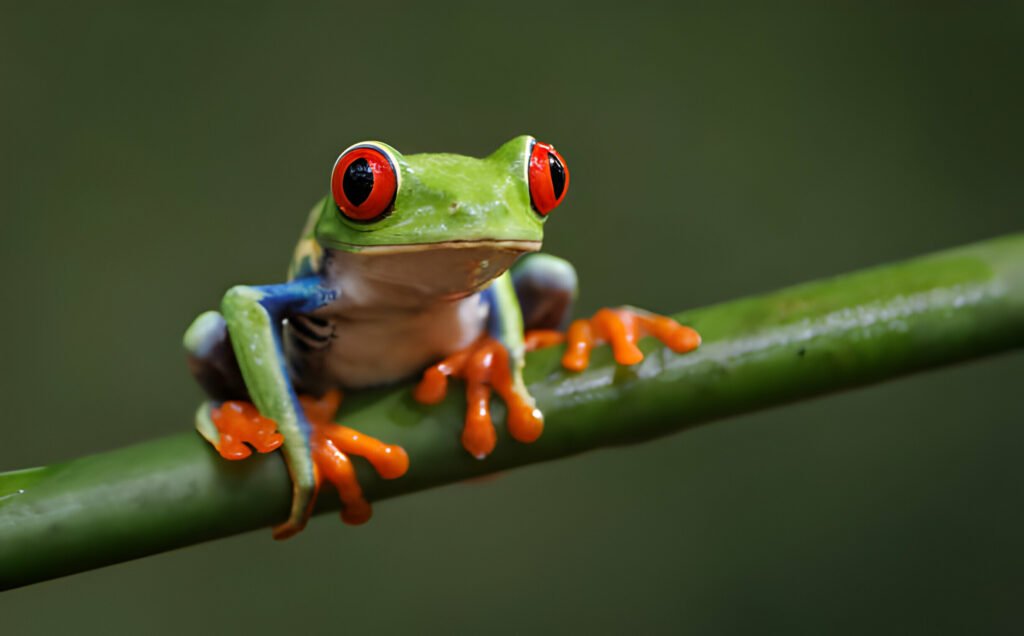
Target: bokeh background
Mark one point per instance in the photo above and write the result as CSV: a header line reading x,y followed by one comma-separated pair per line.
x,y
152,157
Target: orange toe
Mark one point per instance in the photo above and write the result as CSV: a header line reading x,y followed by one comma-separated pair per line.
x,y
676,337
241,426
619,328
525,422
432,388
540,338
580,340
478,435
390,462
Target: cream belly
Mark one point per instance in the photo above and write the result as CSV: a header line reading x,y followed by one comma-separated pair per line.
x,y
373,348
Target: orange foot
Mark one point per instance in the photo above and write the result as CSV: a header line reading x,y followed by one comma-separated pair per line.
x,y
242,426
484,366
331,444
621,328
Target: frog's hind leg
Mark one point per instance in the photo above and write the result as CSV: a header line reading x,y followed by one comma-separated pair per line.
x,y
227,420
212,360
546,287
213,365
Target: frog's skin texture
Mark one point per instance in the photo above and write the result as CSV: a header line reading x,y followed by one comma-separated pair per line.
x,y
419,263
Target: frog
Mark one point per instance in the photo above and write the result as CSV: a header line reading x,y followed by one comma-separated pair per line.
x,y
424,265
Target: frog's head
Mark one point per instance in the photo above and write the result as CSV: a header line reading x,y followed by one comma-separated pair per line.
x,y
450,213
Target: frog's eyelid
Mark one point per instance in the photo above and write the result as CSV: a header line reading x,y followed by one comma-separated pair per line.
x,y
383,149
548,177
526,160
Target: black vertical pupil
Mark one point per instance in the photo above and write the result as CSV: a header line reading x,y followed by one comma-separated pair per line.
x,y
557,174
358,181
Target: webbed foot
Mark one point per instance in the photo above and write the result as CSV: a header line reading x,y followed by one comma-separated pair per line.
x,y
241,429
236,428
331,446
484,366
621,328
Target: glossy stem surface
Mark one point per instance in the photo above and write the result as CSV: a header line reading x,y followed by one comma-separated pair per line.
x,y
802,341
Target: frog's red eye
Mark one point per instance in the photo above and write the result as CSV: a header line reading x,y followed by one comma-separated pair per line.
x,y
364,184
549,178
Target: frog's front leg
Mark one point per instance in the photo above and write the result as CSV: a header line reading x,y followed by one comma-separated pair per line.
x,y
254,316
494,362
537,296
313,446
527,305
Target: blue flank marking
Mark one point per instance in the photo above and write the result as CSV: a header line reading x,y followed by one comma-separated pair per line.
x,y
495,325
299,296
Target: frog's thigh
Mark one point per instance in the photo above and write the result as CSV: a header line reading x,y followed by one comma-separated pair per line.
x,y
546,288
212,360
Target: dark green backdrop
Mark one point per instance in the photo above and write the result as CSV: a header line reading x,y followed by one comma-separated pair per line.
x,y
152,158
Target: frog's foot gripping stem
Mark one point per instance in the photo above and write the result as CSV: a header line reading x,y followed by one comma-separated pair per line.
x,y
621,328
241,429
484,366
535,339
331,446
236,428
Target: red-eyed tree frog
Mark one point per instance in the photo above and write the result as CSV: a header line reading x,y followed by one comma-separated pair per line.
x,y
420,264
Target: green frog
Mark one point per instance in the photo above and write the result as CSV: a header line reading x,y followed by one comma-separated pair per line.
x,y
420,264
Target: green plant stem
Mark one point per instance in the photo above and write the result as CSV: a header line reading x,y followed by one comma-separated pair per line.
x,y
802,341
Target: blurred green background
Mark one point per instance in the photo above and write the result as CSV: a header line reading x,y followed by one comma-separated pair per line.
x,y
154,157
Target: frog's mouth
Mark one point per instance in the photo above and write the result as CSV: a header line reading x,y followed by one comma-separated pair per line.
x,y
521,247
423,272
